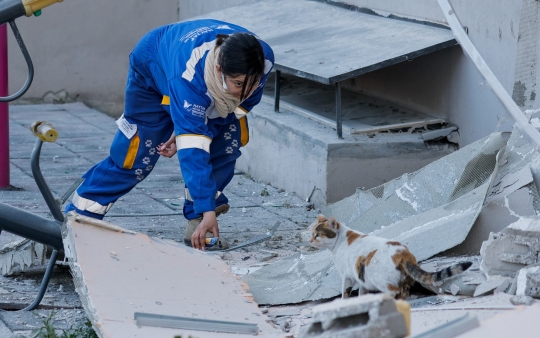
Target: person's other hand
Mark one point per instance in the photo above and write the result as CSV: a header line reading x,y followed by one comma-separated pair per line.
x,y
208,224
168,149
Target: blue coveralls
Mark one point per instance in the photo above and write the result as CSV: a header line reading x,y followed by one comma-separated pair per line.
x,y
166,92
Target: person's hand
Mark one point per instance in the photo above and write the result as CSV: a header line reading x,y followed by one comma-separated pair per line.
x,y
168,149
208,224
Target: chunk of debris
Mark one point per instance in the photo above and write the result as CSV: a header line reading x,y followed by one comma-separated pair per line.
x,y
522,300
23,254
493,283
506,253
528,281
372,315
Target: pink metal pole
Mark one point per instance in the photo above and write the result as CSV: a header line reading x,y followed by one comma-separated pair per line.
x,y
4,110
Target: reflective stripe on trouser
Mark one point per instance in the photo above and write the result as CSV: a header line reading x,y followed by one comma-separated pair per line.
x,y
224,151
115,176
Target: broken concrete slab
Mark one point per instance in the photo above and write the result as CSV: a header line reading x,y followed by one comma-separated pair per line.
x,y
295,279
506,253
21,254
447,194
117,274
371,315
456,218
433,186
528,281
496,245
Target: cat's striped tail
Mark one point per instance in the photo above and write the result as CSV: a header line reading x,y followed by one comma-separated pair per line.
x,y
425,277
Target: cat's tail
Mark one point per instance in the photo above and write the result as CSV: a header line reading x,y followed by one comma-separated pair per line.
x,y
425,277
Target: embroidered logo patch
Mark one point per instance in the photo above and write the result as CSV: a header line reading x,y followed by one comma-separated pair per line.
x,y
195,109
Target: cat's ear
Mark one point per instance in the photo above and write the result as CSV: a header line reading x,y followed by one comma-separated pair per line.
x,y
333,223
321,218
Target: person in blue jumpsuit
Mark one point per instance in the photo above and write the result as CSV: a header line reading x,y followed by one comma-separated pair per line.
x,y
189,88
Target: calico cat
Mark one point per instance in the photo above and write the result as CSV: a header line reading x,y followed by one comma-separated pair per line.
x,y
374,263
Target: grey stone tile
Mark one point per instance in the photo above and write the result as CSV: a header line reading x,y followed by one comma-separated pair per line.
x,y
139,204
87,144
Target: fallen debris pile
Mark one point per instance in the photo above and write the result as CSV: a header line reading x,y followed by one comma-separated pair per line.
x,y
483,192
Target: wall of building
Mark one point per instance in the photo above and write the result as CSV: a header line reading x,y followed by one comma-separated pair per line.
x,y
191,8
82,47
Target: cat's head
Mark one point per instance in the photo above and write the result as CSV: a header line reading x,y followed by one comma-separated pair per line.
x,y
324,232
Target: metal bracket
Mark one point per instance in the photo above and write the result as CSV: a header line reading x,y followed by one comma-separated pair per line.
x,y
186,323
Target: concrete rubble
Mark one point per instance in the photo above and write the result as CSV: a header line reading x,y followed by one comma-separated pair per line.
x,y
447,194
506,253
372,315
486,187
21,254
